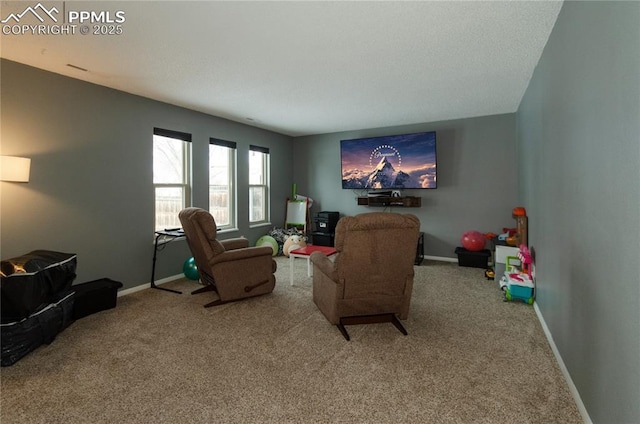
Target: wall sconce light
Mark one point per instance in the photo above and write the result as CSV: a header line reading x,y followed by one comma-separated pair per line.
x,y
15,169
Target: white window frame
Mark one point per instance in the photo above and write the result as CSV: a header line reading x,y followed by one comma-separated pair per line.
x,y
184,185
263,185
231,190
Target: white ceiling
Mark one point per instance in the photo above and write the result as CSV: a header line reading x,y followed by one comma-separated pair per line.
x,y
306,67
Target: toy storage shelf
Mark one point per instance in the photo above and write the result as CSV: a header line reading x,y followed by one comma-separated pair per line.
x,y
384,201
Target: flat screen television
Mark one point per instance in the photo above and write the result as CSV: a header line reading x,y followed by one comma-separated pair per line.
x,y
406,161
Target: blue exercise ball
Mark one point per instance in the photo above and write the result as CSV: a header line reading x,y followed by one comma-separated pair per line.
x,y
190,269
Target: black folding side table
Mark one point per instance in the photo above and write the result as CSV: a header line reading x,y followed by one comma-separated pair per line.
x,y
163,238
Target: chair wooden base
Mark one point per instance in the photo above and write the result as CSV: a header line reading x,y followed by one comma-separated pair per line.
x,y
369,319
212,287
218,302
206,288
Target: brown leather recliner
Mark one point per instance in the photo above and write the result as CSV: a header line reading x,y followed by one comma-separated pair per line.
x,y
371,278
229,267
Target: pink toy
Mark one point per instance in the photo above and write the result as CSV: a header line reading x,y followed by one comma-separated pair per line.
x,y
525,260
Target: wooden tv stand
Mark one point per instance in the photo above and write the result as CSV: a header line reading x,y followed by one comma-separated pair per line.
x,y
384,201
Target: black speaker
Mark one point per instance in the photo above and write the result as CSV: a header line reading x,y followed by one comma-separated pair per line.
x,y
326,222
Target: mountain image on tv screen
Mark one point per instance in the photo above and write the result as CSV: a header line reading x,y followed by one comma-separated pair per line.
x,y
406,161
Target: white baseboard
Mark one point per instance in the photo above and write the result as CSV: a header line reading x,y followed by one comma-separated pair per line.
x,y
441,259
563,368
148,285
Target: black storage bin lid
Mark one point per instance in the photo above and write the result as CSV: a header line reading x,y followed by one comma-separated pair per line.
x,y
103,283
95,296
477,253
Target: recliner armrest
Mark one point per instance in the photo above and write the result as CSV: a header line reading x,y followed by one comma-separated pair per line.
x,y
237,254
325,265
235,243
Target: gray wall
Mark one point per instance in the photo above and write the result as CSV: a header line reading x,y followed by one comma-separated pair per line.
x,y
91,189
579,161
477,178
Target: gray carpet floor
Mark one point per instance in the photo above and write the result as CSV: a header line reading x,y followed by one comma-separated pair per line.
x,y
160,357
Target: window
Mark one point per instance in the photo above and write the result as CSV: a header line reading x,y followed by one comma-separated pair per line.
x,y
222,172
171,176
258,185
